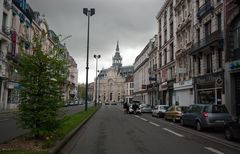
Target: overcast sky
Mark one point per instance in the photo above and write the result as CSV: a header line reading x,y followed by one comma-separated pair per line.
x,y
132,22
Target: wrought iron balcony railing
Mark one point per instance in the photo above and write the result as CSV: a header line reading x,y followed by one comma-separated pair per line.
x,y
207,41
204,9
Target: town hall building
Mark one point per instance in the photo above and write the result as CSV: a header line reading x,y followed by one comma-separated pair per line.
x,y
110,81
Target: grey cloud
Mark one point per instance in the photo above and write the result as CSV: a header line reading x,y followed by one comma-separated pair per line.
x,y
132,22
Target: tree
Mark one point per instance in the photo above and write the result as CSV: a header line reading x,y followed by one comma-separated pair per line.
x,y
42,77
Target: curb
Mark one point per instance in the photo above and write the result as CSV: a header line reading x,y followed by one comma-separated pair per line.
x,y
61,143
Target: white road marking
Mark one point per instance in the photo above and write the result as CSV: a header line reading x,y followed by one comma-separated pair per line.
x,y
144,119
4,120
154,124
214,150
179,135
137,116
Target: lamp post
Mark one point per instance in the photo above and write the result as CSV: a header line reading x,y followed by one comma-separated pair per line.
x,y
96,96
88,13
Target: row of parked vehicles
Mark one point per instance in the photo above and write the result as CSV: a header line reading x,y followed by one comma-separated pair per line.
x,y
200,116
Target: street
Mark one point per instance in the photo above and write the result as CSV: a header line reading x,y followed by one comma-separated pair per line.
x,y
9,128
111,131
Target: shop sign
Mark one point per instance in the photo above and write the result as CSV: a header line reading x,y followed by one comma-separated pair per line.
x,y
183,84
234,65
210,78
181,70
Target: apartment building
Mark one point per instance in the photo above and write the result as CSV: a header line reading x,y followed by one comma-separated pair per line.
x,y
5,47
152,87
141,76
232,50
183,88
18,23
208,51
166,51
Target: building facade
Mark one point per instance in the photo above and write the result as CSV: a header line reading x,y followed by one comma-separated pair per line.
x,y
19,23
128,87
111,81
166,49
152,87
5,47
207,52
183,87
232,50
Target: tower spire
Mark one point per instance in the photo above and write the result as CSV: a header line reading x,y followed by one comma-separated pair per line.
x,y
117,49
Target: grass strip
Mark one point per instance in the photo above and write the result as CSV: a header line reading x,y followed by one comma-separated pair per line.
x,y
22,152
68,123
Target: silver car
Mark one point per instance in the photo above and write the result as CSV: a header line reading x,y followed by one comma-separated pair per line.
x,y
146,108
159,110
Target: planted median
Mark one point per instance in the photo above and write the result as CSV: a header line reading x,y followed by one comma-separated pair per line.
x,y
28,144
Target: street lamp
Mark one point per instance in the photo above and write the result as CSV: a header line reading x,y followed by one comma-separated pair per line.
x,y
88,13
96,96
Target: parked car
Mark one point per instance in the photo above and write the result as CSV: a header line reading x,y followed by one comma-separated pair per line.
x,y
174,113
206,115
146,108
159,110
136,111
232,130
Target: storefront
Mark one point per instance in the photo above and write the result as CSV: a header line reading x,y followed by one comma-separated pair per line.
x,y
183,92
166,93
209,88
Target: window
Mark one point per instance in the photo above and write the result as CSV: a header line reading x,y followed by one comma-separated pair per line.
x,y
199,65
219,22
4,20
165,36
197,4
220,59
198,35
209,63
207,29
236,34
171,30
171,52
160,60
165,56
160,41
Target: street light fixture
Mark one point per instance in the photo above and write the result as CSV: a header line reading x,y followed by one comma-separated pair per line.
x,y
96,96
88,13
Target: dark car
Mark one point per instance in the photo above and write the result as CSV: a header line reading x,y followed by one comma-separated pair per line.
x,y
205,116
232,130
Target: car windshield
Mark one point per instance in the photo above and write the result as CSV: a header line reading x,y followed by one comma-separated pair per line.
x,y
181,108
163,107
219,109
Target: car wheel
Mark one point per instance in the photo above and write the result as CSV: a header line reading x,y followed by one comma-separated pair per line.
x,y
198,126
228,134
182,122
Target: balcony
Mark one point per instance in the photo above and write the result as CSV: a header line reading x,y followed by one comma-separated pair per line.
x,y
214,40
6,30
25,8
7,4
204,9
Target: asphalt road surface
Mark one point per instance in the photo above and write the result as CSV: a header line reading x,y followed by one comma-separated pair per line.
x,y
110,131
9,128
